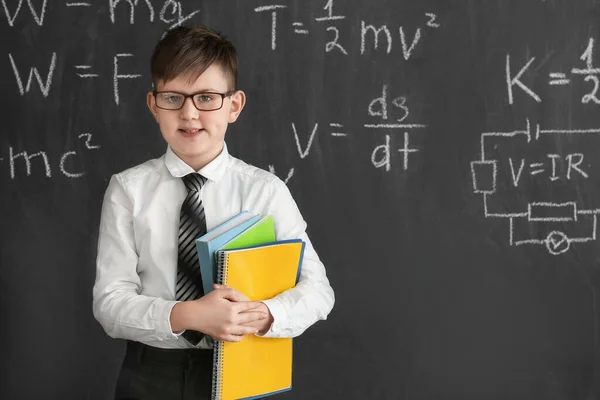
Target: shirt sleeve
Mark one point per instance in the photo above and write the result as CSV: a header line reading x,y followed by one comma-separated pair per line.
x,y
117,304
312,298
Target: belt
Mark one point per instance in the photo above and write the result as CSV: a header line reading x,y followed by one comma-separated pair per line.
x,y
144,352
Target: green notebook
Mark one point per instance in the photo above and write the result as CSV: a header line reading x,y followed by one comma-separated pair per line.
x,y
261,232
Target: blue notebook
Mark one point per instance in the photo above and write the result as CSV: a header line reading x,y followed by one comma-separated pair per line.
x,y
207,245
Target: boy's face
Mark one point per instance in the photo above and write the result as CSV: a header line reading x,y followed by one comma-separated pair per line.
x,y
197,136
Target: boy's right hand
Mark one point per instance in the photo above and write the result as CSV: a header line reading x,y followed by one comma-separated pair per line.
x,y
220,314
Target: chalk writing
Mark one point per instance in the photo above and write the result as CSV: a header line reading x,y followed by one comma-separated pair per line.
x,y
484,177
28,162
288,177
381,155
117,75
368,33
171,12
37,16
87,75
556,79
388,112
573,160
273,9
304,153
44,86
379,107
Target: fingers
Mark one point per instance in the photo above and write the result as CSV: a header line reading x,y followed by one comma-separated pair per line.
x,y
238,334
247,305
233,338
245,330
229,294
217,286
250,316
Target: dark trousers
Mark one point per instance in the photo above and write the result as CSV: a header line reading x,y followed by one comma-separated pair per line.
x,y
149,373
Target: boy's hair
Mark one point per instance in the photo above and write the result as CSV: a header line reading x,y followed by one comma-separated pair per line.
x,y
187,51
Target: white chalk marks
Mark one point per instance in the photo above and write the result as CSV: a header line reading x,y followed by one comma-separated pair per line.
x,y
288,177
370,31
112,4
24,163
391,114
371,36
381,155
378,107
85,68
557,79
117,76
44,86
304,152
38,15
273,9
44,82
484,174
171,12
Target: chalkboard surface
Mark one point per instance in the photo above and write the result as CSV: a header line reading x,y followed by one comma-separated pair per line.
x,y
445,155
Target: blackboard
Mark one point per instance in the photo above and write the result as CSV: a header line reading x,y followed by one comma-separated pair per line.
x,y
444,154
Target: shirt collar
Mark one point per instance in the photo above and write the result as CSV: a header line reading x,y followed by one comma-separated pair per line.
x,y
213,171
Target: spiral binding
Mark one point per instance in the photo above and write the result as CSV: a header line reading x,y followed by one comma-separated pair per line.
x,y
217,379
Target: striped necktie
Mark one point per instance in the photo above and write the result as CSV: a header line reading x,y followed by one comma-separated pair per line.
x,y
192,225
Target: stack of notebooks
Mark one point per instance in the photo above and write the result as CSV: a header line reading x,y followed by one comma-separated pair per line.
x,y
244,254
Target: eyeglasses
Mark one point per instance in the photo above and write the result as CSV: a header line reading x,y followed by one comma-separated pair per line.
x,y
203,101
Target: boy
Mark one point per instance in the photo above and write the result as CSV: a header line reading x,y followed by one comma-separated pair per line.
x,y
147,287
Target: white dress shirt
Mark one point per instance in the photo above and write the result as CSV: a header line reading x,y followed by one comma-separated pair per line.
x,y
136,265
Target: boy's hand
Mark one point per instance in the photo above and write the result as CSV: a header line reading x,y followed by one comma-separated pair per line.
x,y
240,296
220,314
261,325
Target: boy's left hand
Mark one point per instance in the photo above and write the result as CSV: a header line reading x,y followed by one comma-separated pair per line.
x,y
262,325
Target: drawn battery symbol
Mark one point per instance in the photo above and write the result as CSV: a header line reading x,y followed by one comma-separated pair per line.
x,y
484,176
552,212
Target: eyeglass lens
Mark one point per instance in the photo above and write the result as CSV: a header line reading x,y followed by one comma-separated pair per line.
x,y
202,101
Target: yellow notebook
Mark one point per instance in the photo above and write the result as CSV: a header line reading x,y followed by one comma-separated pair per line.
x,y
256,366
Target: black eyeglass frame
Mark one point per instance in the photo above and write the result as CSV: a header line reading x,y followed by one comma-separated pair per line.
x,y
186,96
